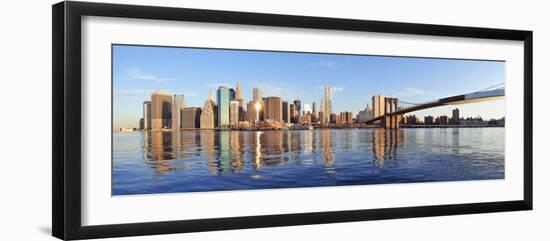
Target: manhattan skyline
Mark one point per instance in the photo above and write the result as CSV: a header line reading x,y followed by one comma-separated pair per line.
x,y
140,70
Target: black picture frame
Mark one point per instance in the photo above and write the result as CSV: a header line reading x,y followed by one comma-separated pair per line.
x,y
66,127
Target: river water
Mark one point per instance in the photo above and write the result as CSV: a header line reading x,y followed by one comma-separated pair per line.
x,y
191,161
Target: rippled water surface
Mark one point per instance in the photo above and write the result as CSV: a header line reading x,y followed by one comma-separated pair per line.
x,y
189,161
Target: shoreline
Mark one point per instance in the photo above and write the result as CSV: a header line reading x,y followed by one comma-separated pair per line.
x,y
318,128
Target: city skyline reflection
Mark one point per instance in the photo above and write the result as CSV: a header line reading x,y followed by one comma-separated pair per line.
x,y
231,151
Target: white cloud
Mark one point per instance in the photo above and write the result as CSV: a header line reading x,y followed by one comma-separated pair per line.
x,y
136,73
337,89
325,64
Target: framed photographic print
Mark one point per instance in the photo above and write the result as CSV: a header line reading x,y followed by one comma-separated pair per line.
x,y
170,120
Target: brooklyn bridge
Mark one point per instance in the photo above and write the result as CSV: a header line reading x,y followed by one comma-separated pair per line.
x,y
393,114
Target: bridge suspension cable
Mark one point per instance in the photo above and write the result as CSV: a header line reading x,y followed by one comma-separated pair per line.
x,y
491,87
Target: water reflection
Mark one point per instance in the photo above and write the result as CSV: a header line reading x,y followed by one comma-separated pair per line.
x,y
227,160
229,150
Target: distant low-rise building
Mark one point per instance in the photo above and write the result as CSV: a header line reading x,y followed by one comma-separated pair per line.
x,y
346,117
428,120
333,118
365,115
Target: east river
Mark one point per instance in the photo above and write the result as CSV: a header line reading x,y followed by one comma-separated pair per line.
x,y
192,161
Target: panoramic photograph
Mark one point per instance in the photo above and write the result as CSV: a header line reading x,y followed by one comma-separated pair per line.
x,y
201,119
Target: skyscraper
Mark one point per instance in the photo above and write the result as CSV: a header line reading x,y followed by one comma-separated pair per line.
x,y
223,99
273,108
147,115
378,105
161,108
253,109
256,94
314,113
323,117
233,113
286,112
326,104
240,99
328,100
177,106
212,97
191,117
292,111
298,107
208,115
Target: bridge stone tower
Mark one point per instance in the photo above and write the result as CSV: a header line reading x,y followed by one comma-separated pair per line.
x,y
391,120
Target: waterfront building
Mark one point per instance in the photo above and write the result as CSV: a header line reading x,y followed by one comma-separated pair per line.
x,y
345,117
298,107
411,120
223,99
471,121
428,120
273,108
141,124
191,117
253,109
322,117
147,115
208,115
333,118
442,120
455,119
177,105
161,108
234,113
286,112
365,115
293,116
378,105
305,120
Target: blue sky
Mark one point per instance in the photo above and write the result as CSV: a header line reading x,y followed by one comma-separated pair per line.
x,y
139,70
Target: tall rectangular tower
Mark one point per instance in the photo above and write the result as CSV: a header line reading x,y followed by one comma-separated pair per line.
x,y
147,115
223,98
161,110
177,106
234,113
378,105
274,108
